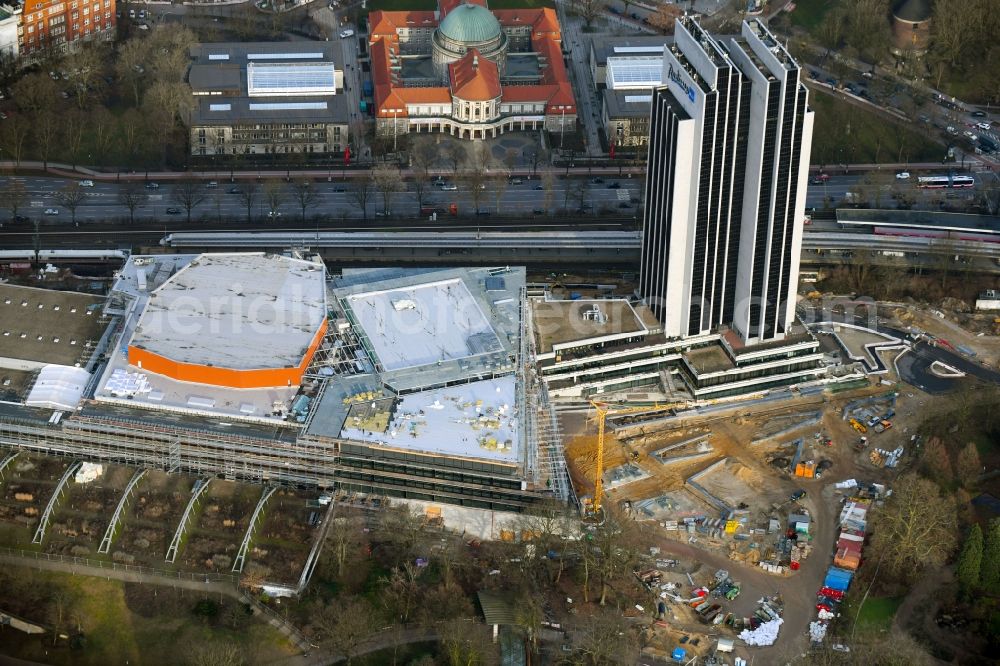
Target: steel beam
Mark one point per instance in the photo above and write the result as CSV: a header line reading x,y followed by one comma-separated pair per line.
x,y
245,546
109,534
199,487
44,522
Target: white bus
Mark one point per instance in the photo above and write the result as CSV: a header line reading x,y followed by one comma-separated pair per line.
x,y
939,182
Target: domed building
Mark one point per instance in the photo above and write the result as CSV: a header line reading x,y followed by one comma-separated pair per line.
x,y
465,28
470,71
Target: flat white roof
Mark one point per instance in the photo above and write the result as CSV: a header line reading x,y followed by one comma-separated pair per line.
x,y
241,311
423,324
476,420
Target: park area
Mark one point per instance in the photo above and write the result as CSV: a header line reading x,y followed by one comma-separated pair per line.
x,y
112,622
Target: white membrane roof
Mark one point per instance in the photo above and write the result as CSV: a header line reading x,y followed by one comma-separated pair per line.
x,y
240,311
424,324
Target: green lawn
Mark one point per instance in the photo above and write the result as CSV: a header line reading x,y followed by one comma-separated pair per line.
x,y
877,613
400,5
809,14
848,133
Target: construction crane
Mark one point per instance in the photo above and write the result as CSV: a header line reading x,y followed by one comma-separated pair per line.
x,y
603,409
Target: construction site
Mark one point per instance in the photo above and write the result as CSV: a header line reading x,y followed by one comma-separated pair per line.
x,y
736,478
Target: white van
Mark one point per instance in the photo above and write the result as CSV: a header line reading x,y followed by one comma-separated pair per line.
x,y
344,34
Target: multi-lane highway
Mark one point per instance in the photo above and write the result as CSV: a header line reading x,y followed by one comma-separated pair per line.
x,y
335,200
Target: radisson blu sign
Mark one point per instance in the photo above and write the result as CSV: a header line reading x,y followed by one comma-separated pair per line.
x,y
675,76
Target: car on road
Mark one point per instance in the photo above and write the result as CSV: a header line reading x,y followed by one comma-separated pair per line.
x,y
983,126
234,190
516,181
274,214
970,135
978,114
597,181
344,34
173,211
143,26
924,118
539,187
448,187
868,75
152,186
951,130
86,183
51,211
211,185
903,175
539,211
21,218
615,186
624,204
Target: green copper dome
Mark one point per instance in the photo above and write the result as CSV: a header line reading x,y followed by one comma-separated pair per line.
x,y
471,24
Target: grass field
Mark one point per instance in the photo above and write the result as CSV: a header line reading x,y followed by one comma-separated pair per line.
x,y
877,613
809,14
153,627
414,5
871,138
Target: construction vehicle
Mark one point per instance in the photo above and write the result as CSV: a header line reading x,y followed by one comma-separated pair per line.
x,y
602,410
858,425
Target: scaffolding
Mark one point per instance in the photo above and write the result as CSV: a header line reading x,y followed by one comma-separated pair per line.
x,y
175,543
50,507
109,534
245,546
546,461
7,460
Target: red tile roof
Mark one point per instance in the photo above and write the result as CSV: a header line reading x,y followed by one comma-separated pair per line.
x,y
474,78
384,23
447,5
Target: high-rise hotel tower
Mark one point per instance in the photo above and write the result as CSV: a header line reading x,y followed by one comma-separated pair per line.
x,y
730,135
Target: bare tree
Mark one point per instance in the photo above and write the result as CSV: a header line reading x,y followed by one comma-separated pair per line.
x,y
274,195
389,181
131,195
342,538
13,196
188,194
466,644
589,10
361,193
499,182
607,639
215,653
549,188
422,160
346,626
664,17
47,129
131,61
915,529
305,195
248,197
455,156
71,197
15,133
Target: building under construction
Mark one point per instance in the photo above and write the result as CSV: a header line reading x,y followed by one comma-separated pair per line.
x,y
404,383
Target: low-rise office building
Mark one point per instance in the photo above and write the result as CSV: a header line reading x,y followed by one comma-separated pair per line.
x,y
267,98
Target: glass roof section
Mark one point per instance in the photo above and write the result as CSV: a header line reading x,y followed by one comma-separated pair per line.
x,y
630,73
287,106
284,56
276,80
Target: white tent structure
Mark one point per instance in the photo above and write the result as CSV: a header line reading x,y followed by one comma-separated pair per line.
x,y
58,387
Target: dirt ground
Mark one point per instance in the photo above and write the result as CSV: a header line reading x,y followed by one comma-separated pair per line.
x,y
26,489
216,532
83,514
284,537
158,503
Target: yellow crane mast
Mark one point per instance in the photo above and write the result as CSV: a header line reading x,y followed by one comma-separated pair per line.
x,y
602,409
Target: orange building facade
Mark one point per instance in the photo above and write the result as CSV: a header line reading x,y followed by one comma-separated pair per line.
x,y
56,24
221,376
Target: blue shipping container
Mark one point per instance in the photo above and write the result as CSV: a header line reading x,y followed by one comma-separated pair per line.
x,y
837,579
